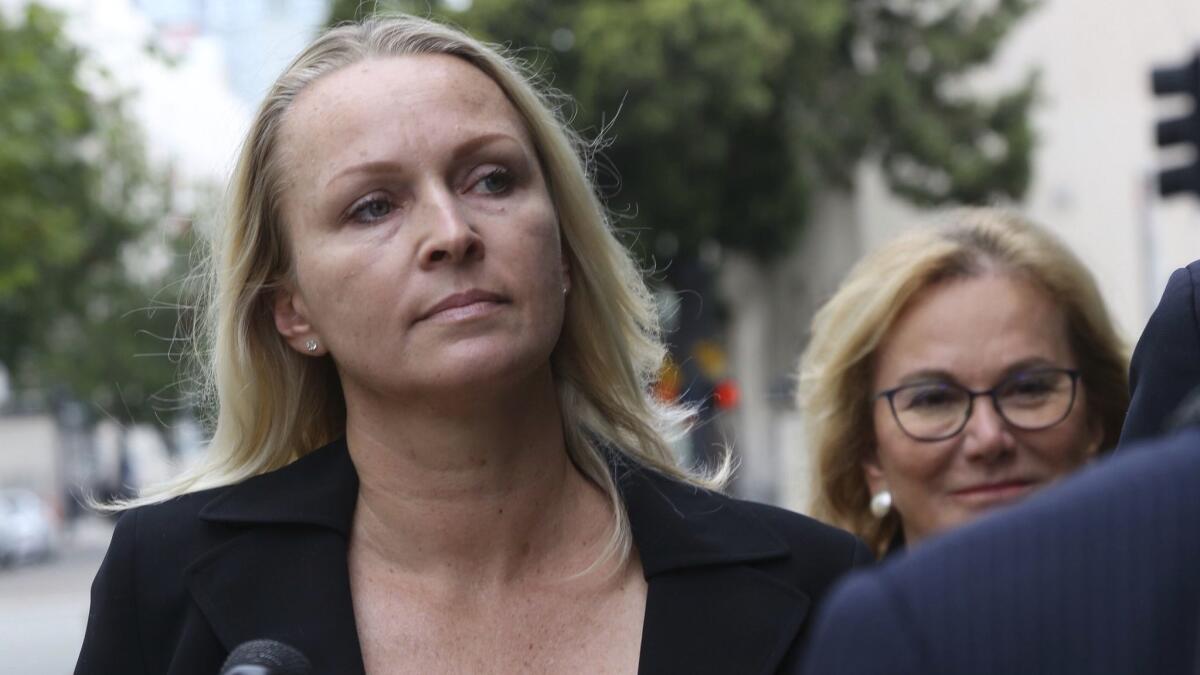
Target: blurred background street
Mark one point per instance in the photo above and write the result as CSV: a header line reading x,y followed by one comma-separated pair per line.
x,y
44,606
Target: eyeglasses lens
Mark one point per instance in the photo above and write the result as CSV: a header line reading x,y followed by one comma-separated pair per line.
x,y
1030,401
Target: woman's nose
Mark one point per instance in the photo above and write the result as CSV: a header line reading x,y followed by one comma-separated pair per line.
x,y
986,436
450,235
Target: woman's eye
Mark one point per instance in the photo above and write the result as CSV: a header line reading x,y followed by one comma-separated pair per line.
x,y
371,210
497,181
928,397
1031,388
1034,387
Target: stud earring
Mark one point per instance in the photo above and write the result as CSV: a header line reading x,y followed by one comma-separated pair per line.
x,y
311,345
881,503
565,289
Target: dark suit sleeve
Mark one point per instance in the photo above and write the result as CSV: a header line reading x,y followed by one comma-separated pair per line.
x,y
112,642
1166,361
863,629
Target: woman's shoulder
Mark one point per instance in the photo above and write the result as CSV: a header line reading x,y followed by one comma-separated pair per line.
x,y
172,561
318,488
169,533
174,509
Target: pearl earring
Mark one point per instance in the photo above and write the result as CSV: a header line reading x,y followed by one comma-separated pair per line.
x,y
881,503
311,345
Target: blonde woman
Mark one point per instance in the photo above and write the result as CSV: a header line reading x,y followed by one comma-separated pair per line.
x,y
957,369
435,448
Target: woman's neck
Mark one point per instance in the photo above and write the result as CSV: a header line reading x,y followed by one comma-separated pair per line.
x,y
486,493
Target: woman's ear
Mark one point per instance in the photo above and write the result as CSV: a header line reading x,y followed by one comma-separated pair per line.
x,y
291,320
873,473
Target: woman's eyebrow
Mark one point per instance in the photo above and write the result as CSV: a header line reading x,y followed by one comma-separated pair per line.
x,y
935,375
476,143
382,166
927,375
1026,364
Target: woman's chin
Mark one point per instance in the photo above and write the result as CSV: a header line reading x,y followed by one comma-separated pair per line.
x,y
483,371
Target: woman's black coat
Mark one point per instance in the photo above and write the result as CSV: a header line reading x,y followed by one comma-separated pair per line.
x,y
731,584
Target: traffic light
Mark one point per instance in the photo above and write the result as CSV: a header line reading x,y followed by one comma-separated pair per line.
x,y
1184,79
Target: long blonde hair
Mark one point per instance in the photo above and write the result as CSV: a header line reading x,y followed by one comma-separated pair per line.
x,y
274,405
837,368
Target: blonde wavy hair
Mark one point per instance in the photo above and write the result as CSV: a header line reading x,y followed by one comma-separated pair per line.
x,y
274,406
837,368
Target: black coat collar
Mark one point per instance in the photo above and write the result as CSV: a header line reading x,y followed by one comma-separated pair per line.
x,y
318,489
709,608
678,526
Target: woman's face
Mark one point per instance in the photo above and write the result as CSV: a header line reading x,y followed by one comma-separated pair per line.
x,y
978,333
425,244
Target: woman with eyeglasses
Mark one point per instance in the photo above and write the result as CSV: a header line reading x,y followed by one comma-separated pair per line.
x,y
957,369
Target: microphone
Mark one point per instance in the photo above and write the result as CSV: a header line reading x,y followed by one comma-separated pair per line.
x,y
266,657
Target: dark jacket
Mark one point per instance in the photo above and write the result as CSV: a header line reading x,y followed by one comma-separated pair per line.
x,y
731,584
1099,574
1166,361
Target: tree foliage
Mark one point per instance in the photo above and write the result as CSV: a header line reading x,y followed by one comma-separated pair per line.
x,y
726,117
76,199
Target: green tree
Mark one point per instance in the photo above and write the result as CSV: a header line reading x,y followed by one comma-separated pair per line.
x,y
76,199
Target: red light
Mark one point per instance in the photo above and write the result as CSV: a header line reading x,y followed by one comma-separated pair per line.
x,y
726,394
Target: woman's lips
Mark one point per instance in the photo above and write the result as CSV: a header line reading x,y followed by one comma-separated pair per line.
x,y
463,312
994,492
460,306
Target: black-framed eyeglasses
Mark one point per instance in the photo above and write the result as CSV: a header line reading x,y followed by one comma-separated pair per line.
x,y
1030,400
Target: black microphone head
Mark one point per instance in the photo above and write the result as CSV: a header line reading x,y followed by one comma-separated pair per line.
x,y
266,657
